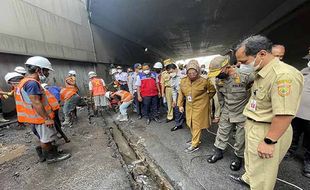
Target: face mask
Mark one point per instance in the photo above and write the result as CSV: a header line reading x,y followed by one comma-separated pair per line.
x,y
119,70
246,68
222,76
202,69
308,63
252,64
173,74
146,71
43,78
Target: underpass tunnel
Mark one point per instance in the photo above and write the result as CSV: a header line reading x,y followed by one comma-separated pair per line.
x,y
293,31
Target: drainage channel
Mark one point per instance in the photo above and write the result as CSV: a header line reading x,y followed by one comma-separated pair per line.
x,y
141,173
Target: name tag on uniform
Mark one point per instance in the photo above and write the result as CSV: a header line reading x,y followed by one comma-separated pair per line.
x,y
189,98
253,105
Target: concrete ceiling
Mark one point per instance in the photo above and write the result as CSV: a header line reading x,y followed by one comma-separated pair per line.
x,y
187,28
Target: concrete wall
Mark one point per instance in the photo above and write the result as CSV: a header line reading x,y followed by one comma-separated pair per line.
x,y
9,61
52,28
111,48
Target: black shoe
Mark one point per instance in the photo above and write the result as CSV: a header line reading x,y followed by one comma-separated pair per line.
x,y
176,128
168,120
140,117
40,154
52,156
306,170
236,164
148,121
239,180
157,120
216,156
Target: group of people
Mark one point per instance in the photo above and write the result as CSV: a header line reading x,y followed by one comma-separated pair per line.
x,y
256,98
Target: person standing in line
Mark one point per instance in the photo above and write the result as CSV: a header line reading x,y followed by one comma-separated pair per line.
x,y
274,101
175,85
198,91
133,89
148,93
121,78
233,93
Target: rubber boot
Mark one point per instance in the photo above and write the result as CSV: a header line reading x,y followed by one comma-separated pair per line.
x,y
2,120
218,154
124,118
236,163
40,154
53,156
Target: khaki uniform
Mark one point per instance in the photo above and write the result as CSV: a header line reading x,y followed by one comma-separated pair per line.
x,y
276,91
165,81
217,106
233,94
198,95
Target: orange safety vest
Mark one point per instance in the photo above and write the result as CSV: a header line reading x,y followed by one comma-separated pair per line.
x,y
98,87
125,96
25,111
52,101
67,92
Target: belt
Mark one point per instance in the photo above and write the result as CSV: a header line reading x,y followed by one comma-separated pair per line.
x,y
258,121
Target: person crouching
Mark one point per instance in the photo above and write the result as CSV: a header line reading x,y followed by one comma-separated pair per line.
x,y
124,100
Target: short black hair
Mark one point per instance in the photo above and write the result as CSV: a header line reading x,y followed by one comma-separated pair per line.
x,y
255,44
146,64
171,66
31,68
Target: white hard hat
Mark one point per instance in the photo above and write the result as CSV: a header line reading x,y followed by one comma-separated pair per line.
x,y
20,70
91,74
108,94
113,71
11,75
44,85
158,65
39,61
72,72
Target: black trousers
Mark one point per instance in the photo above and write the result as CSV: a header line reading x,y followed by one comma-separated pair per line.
x,y
179,117
301,126
149,108
138,105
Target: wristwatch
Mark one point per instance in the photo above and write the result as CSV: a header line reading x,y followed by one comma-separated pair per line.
x,y
269,141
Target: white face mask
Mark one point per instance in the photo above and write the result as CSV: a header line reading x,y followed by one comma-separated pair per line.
x,y
252,64
173,74
146,71
308,63
202,69
42,77
246,68
119,70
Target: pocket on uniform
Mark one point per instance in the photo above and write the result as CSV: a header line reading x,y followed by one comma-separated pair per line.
x,y
260,94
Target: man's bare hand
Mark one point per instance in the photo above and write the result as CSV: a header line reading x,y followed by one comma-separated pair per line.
x,y
265,151
139,98
181,109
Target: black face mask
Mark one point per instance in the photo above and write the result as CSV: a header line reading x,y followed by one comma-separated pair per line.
x,y
157,71
222,76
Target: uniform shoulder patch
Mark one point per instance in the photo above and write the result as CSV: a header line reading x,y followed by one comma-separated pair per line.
x,y
284,87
